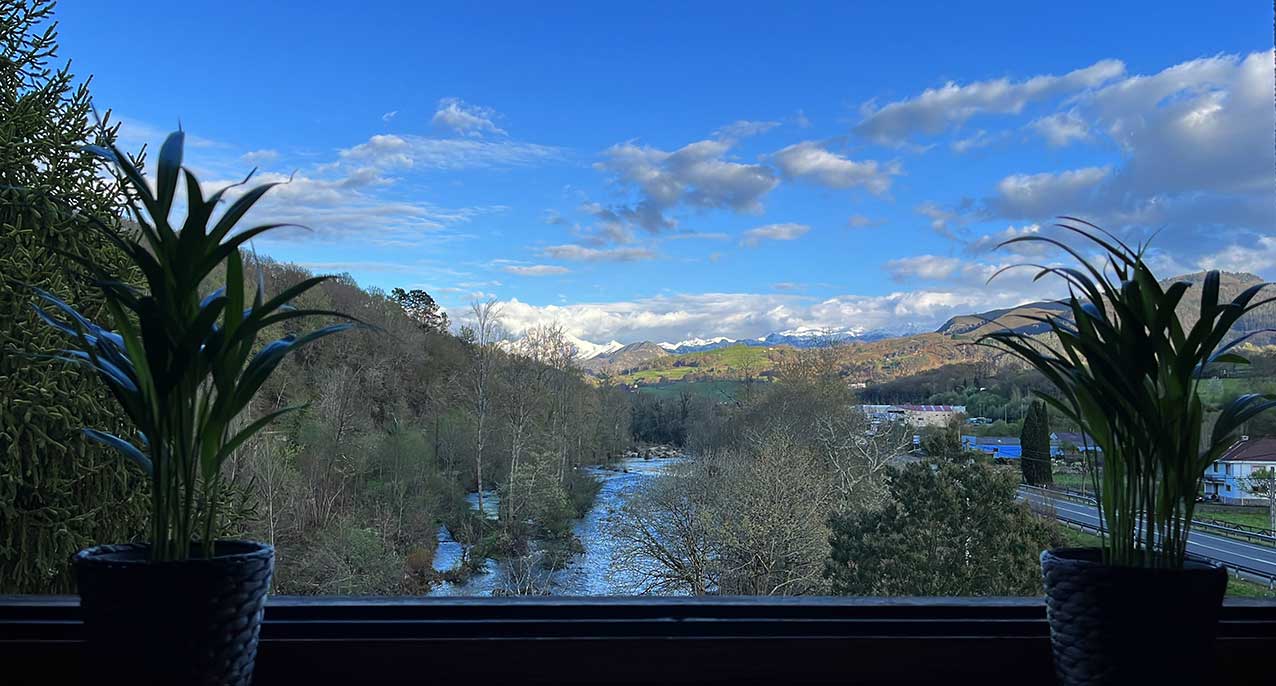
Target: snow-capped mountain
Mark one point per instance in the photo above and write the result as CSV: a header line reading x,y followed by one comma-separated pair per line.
x,y
695,345
586,350
801,337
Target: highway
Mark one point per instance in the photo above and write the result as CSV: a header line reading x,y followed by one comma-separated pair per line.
x,y
1256,562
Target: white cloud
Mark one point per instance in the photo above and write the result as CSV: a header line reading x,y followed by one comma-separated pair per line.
x,y
978,140
745,128
418,152
388,116
696,175
773,232
343,207
938,216
1196,158
749,315
938,109
1257,257
457,116
698,235
809,161
859,221
1200,125
989,242
260,156
930,267
1037,195
535,269
580,253
1062,128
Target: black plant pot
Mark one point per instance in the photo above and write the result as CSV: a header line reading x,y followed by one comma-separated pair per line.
x,y
1123,625
189,622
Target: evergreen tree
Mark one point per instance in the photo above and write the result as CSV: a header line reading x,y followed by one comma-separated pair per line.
x,y
58,493
1034,440
948,530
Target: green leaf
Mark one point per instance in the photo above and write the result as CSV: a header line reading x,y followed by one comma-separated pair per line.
x,y
124,447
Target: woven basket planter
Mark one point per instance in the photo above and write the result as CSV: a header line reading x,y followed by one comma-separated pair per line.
x,y
1123,625
189,622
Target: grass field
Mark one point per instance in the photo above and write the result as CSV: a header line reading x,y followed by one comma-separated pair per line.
x,y
1247,515
716,390
1214,391
655,375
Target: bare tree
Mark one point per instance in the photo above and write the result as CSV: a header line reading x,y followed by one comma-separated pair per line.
x,y
858,453
664,536
487,333
1262,481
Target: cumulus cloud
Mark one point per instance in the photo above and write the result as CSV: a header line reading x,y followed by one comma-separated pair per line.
x,y
534,269
581,253
930,267
1196,157
773,232
938,109
260,156
459,117
1257,257
989,242
939,217
810,161
418,152
1061,129
750,315
1037,195
347,206
696,175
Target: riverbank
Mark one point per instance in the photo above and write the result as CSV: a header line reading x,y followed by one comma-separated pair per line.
x,y
588,572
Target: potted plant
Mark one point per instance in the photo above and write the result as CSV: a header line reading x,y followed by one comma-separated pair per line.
x,y
182,607
1124,368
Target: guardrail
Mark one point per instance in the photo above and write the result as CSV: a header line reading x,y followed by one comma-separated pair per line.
x,y
1216,526
1238,569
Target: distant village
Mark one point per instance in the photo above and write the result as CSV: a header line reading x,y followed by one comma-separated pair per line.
x,y
1230,480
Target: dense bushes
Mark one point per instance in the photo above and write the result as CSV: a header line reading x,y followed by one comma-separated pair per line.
x,y
949,530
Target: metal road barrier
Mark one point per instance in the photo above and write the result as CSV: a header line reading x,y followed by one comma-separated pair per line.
x,y
1238,568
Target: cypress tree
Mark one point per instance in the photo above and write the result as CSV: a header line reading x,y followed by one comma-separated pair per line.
x,y
1034,441
58,493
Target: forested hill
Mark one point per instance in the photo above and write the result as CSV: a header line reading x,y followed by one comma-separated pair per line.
x,y
400,418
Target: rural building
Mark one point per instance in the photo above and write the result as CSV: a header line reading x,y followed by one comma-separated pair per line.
x,y
932,415
1003,447
1229,477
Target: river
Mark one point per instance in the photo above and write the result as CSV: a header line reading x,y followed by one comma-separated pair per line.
x,y
589,573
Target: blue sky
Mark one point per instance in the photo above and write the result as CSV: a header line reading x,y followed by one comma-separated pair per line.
x,y
658,172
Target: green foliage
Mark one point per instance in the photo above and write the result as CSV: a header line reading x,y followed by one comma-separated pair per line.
x,y
1035,443
346,559
182,365
949,530
58,492
1126,370
421,308
944,443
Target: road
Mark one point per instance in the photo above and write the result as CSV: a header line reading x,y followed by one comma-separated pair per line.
x,y
1256,562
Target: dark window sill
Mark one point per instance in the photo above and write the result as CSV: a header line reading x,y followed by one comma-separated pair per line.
x,y
633,640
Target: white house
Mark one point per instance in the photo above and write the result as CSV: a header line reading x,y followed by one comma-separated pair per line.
x,y
1228,478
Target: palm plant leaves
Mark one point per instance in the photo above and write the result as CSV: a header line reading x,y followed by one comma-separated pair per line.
x,y
183,367
1125,370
